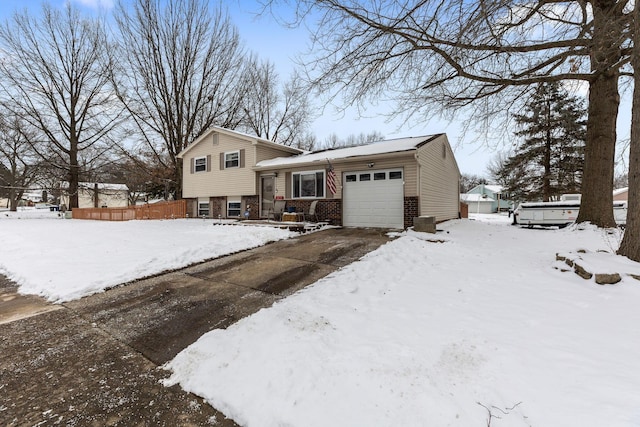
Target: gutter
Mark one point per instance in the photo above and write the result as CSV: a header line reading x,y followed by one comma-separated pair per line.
x,y
342,160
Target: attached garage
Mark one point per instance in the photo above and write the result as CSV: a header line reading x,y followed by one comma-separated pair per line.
x,y
384,184
373,198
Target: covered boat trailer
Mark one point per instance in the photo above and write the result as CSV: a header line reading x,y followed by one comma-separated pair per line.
x,y
559,214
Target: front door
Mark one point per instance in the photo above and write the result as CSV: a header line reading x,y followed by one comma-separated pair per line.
x,y
267,185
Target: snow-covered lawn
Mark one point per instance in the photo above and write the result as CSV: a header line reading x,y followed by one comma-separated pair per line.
x,y
477,330
64,259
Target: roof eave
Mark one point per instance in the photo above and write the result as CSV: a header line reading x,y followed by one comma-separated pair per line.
x,y
249,138
364,157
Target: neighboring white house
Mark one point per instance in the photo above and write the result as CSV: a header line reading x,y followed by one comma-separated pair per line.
x,y
98,195
478,203
486,198
384,184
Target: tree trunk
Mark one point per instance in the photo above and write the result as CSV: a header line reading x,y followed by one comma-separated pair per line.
x,y
630,245
12,188
546,180
604,100
178,178
74,178
13,200
597,183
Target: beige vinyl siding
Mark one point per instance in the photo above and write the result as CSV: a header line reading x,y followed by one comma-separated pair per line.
x,y
216,182
267,153
439,180
281,184
406,162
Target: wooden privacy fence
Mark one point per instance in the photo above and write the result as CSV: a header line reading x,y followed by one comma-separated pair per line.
x,y
162,210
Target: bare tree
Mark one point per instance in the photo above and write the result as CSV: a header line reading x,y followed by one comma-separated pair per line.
x,y
352,140
469,181
56,78
179,74
17,157
281,115
308,141
454,53
621,180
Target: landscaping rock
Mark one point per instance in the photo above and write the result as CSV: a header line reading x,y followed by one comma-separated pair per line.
x,y
580,271
608,279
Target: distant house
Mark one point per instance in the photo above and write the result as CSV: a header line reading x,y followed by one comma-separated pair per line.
x,y
478,203
97,195
485,198
384,184
621,194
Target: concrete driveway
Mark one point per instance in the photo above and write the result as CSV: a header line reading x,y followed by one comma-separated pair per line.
x,y
95,361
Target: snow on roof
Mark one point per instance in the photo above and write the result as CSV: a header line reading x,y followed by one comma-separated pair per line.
x,y
380,147
101,186
474,197
494,188
620,190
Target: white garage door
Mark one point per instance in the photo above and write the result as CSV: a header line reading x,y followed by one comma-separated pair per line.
x,y
373,198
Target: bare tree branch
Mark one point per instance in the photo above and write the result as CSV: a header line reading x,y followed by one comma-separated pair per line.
x,y
55,77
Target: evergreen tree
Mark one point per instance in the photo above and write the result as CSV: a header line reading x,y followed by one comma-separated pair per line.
x,y
549,160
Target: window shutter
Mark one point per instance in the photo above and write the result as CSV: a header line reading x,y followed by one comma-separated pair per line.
x,y
221,161
208,162
242,158
193,162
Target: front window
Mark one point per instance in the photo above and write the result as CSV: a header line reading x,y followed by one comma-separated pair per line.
x,y
203,209
201,164
232,159
233,209
308,184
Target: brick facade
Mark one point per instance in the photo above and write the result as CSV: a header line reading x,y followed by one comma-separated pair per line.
x,y
327,209
410,210
217,207
253,202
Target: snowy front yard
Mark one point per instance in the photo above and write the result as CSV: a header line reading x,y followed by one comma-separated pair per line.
x,y
475,329
478,330
63,259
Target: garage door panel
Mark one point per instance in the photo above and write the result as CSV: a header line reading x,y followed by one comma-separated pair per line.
x,y
377,202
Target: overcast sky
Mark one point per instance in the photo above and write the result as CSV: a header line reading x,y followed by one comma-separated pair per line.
x,y
280,45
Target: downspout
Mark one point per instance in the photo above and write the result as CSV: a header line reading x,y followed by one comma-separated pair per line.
x,y
418,182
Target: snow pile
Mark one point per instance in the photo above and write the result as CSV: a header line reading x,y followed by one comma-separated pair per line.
x,y
477,329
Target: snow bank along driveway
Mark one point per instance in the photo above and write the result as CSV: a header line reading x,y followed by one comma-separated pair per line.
x,y
477,329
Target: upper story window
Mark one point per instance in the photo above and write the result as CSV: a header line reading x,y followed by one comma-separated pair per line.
x,y
308,184
200,164
232,159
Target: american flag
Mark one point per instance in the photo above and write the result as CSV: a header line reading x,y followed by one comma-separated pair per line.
x,y
331,181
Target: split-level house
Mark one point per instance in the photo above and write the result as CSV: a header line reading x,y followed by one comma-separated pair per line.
x,y
229,174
